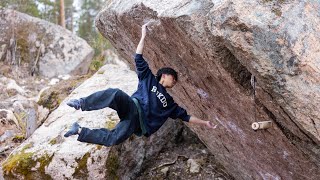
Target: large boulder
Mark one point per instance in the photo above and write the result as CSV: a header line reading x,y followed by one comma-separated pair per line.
x,y
44,48
217,46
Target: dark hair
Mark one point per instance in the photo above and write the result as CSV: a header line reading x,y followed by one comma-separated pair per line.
x,y
167,70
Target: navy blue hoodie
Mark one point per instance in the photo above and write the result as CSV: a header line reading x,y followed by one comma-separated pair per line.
x,y
157,105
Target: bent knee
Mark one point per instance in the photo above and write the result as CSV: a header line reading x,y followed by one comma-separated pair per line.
x,y
120,94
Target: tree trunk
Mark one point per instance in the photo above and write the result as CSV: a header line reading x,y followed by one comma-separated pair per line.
x,y
62,14
71,23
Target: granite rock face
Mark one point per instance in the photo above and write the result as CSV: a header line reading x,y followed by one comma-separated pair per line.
x,y
217,46
44,48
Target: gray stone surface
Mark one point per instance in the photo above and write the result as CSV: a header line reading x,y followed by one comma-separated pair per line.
x,y
49,49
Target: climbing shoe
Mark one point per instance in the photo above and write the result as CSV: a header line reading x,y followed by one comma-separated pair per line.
x,y
75,103
73,130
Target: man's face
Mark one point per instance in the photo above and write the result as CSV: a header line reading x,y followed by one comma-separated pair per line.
x,y
169,80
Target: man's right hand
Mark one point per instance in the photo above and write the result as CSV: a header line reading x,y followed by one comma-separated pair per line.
x,y
144,30
141,42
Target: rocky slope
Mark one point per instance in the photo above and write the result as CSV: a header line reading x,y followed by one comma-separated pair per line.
x,y
216,46
34,55
26,106
59,157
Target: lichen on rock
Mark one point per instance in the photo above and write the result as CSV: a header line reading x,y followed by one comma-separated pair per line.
x,y
112,164
23,165
52,97
81,171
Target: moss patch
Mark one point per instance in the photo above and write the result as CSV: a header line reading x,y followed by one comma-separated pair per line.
x,y
26,46
50,100
110,124
16,160
12,92
112,164
53,141
18,164
18,138
52,97
81,172
22,164
277,11
44,162
96,63
99,147
23,46
28,146
21,118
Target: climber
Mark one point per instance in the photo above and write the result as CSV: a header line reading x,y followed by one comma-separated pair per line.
x,y
142,114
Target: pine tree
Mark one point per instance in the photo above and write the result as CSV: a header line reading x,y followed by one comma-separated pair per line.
x,y
62,14
89,10
69,14
26,6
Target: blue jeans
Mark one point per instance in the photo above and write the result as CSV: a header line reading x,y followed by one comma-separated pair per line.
x,y
127,112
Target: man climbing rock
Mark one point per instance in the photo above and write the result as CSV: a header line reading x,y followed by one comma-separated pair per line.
x,y
142,114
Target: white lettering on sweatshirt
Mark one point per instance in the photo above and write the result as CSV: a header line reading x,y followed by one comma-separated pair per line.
x,y
160,96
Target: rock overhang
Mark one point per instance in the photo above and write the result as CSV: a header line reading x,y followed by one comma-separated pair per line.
x,y
216,47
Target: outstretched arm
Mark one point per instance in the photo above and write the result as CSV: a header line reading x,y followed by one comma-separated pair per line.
x,y
141,42
208,124
181,113
142,66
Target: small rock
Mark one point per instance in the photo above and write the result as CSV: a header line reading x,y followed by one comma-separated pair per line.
x,y
193,165
18,107
64,77
3,149
42,114
13,86
8,119
165,170
54,81
37,44
42,48
6,135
